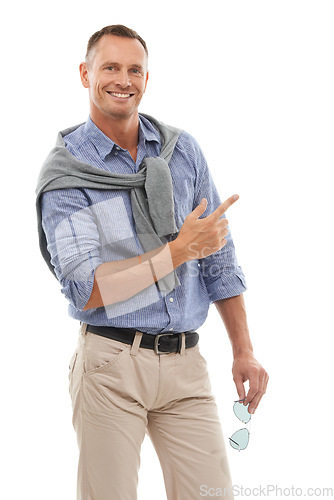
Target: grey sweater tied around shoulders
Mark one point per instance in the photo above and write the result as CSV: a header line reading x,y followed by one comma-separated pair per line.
x,y
151,191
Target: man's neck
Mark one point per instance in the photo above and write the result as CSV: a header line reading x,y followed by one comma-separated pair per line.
x,y
123,132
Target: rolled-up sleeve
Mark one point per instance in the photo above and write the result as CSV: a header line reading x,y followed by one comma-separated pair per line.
x,y
222,275
72,241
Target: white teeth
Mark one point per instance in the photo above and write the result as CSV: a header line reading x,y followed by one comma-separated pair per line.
x,y
120,95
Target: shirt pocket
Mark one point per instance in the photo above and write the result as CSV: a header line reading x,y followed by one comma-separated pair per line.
x,y
183,200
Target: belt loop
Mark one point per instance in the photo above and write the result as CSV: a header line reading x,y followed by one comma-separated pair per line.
x,y
135,343
183,344
83,328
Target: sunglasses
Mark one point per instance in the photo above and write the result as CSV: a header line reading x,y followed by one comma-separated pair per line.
x,y
240,439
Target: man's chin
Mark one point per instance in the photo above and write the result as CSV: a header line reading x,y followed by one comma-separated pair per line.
x,y
118,113
122,115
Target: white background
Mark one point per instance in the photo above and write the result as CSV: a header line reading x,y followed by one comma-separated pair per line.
x,y
253,82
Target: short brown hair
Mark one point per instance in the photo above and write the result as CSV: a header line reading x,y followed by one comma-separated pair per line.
x,y
116,30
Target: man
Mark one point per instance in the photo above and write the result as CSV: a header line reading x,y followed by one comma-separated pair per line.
x,y
133,228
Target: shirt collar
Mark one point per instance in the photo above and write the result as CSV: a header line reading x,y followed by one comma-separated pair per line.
x,y
148,131
104,145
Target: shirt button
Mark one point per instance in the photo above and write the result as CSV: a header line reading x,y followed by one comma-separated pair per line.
x,y
116,154
118,148
171,328
171,299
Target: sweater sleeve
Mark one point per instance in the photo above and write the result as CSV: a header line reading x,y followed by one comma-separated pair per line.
x,y
73,242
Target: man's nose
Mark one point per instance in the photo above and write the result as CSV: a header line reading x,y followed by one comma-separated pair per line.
x,y
122,79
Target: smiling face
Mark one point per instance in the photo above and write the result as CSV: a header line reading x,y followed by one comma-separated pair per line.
x,y
116,76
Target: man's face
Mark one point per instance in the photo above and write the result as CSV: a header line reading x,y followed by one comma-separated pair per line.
x,y
116,77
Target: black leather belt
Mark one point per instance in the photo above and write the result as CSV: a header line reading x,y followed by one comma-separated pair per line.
x,y
160,343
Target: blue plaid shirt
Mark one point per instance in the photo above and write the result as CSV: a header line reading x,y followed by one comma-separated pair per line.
x,y
87,227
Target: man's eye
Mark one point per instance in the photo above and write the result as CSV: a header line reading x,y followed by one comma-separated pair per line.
x,y
110,67
136,71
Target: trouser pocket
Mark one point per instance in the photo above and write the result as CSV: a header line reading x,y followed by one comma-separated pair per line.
x,y
72,362
100,353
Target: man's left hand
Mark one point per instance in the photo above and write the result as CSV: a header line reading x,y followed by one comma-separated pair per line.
x,y
246,367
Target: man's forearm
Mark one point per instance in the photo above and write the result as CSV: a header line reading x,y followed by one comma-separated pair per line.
x,y
233,314
119,280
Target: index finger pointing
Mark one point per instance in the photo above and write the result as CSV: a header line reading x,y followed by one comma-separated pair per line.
x,y
224,206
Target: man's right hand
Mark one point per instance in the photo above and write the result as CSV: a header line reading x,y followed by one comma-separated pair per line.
x,y
199,238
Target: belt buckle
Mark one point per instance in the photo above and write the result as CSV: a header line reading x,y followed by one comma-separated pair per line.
x,y
156,341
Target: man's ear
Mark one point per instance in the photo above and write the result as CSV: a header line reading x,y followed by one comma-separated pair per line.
x,y
147,75
84,75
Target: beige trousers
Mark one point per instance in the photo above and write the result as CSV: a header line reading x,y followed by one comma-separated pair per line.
x,y
119,392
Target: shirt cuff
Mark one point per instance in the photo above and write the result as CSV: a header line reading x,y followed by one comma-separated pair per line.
x,y
78,288
227,285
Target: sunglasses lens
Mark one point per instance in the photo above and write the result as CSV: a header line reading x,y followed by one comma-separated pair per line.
x,y
241,411
239,440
